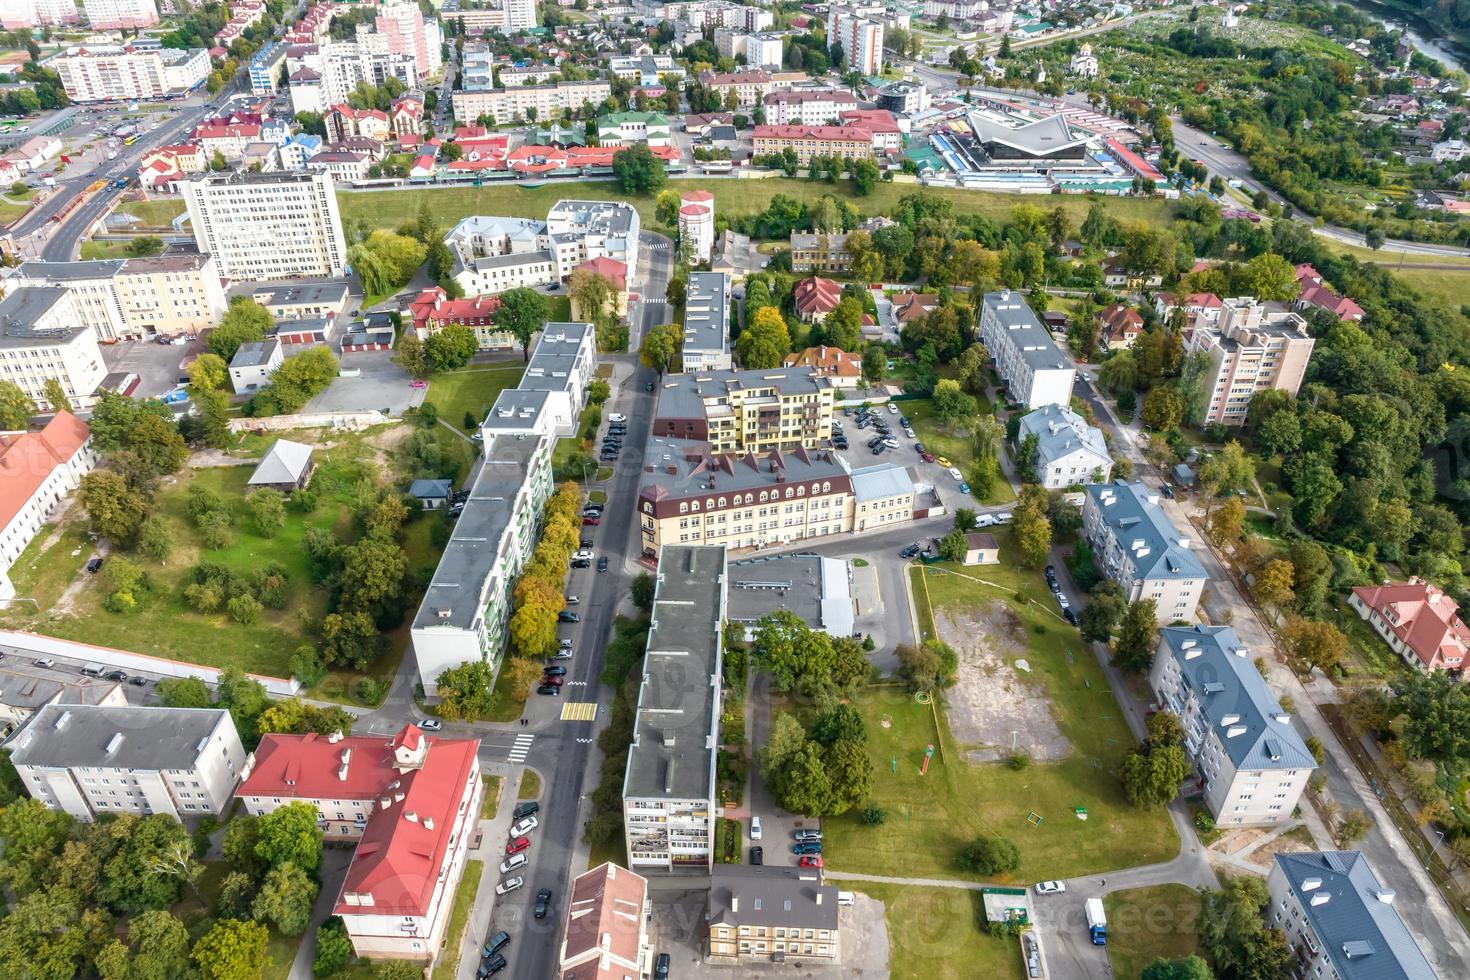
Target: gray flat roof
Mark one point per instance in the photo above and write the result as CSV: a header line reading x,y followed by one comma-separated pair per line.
x,y
706,313
75,735
673,750
22,308
695,466
1025,331
770,895
683,395
298,291
815,588
25,686
255,352
66,271
881,481
516,408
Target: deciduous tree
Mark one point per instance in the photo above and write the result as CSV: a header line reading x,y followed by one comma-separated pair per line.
x,y
285,899
289,834
233,950
466,692
245,321
522,312
659,348
637,171
1133,649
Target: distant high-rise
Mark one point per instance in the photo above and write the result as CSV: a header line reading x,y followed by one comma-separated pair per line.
x,y
113,15
267,225
861,39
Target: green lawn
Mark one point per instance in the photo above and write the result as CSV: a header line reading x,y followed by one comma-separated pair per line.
x,y
472,389
11,209
938,934
386,209
530,785
1147,923
951,442
1450,285
104,250
154,214
490,802
932,817
447,965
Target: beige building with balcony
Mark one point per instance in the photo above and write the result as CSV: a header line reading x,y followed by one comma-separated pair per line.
x,y
756,914
1251,348
781,408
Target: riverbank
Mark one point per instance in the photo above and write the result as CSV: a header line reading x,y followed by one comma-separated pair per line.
x,y
1433,39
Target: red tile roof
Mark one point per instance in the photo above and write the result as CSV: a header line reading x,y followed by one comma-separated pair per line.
x,y
433,308
27,459
911,306
308,767
1423,618
816,295
612,270
604,924
828,360
819,133
1324,298
873,120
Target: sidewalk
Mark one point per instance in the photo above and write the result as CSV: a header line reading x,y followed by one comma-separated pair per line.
x,y
492,836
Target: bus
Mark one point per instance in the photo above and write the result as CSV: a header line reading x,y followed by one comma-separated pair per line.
x,y
129,141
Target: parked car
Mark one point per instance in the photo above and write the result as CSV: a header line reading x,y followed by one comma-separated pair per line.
x,y
911,551
1004,517
524,826
509,885
1070,615
138,681
512,863
116,675
919,448
755,828
571,600
582,563
550,690
592,510
543,903
757,855
591,521
927,457
490,967
807,833
892,409
1050,887
94,565
568,617
661,967
524,810
431,724
563,654
518,845
495,944
964,487
890,443
617,417
564,643
556,671
602,564
418,383
811,861
583,554
807,847
556,681
954,472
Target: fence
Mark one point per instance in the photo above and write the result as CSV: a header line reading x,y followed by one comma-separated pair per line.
x,y
324,420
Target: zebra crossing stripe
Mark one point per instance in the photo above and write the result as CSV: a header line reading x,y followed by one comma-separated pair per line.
x,y
521,748
579,711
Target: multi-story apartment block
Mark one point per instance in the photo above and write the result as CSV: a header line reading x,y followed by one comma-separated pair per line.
x,y
505,105
340,66
267,226
583,230
691,495
808,106
861,39
697,227
37,471
1340,920
114,73
1068,450
266,68
707,323
759,49
494,254
1135,545
811,141
40,341
1251,348
403,27
1025,356
819,252
735,411
669,789
1254,765
126,299
26,688
120,15
500,15
711,14
19,15
92,760
760,914
1417,621
644,69
606,931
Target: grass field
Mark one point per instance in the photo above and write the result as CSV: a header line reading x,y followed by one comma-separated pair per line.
x,y
1450,285
12,208
951,443
472,389
447,965
154,214
388,209
932,817
938,934
1147,923
490,802
530,785
104,250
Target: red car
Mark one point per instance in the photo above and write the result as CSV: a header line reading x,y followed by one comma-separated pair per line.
x,y
811,861
928,457
518,845
417,383
591,521
554,680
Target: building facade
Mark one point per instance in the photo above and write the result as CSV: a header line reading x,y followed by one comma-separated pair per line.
x,y
113,73
40,341
127,299
1025,356
91,760
808,107
1068,450
782,408
706,323
769,912
120,15
507,104
811,141
697,227
37,471
820,252
1250,349
861,39
267,226
1417,621
1135,544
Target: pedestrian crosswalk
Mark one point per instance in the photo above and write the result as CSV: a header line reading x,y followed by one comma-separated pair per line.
x,y
521,748
579,711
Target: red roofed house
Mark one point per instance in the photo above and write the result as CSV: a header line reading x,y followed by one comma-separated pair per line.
x,y
908,307
810,141
410,801
432,310
843,369
38,469
1322,298
343,121
614,272
1418,621
1119,326
606,934
877,122
406,115
815,298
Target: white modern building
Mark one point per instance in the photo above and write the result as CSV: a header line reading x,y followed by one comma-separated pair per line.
x,y
1251,348
116,73
707,323
22,14
1025,356
1135,544
697,227
267,226
341,66
808,106
40,340
582,230
1253,763
118,15
127,299
92,760
669,803
37,471
861,39
254,363
644,69
1068,450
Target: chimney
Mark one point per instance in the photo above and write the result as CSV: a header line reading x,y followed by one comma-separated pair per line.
x,y
1385,895
734,903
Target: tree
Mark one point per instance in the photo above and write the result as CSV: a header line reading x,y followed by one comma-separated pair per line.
x,y
16,407
660,346
450,347
790,651
56,396
666,208
184,692
785,740
1104,610
233,950
1273,583
157,949
865,176
875,363
990,854
114,509
245,321
1152,776
952,546
930,666
268,510
765,341
805,785
637,171
1033,537
413,357
1163,408
850,772
1191,967
334,950
1133,650
840,722
1350,828
1269,277
843,327
285,899
33,835
151,867
289,834
522,312
1313,643
1227,521
951,404
209,372
467,692
641,590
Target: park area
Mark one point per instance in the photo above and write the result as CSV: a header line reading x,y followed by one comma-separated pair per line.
x,y
939,934
1145,924
1067,726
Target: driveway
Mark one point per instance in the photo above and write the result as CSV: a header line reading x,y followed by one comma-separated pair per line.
x,y
382,386
155,364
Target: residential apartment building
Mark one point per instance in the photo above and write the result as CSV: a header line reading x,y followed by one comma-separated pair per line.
x,y
477,68
37,471
760,50
505,105
707,323
494,254
712,14
627,128
781,408
266,68
820,252
1417,621
1135,544
750,86
808,106
40,340
1254,765
1023,352
770,912
116,73
503,15
127,299
1340,920
583,230
267,226
811,141
669,787
120,15
1068,450
690,494
16,15
1250,348
405,31
644,69
91,760
605,936
26,688
697,227
861,39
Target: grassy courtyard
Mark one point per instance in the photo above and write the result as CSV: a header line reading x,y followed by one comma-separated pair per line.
x,y
953,444
472,389
154,214
930,818
1147,923
938,934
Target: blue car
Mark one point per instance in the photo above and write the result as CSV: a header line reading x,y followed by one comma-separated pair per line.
x,y
964,488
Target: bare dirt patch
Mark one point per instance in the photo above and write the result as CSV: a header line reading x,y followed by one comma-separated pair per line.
x,y
994,705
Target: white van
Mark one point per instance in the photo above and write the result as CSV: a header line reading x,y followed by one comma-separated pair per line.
x,y
846,898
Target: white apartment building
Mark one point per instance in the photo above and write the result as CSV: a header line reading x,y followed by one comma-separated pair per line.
x,y
582,230
547,101
669,803
1025,356
18,15
861,39
1254,765
508,16
113,73
90,760
808,107
40,340
1134,544
1068,450
267,226
117,15
710,14
1251,348
405,31
493,254
37,471
707,323
131,298
343,65
760,50
645,69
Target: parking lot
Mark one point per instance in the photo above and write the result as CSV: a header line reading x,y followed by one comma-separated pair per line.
x,y
381,386
156,365
858,454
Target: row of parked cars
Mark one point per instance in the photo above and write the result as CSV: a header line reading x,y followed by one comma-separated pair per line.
x,y
517,856
612,443
1062,601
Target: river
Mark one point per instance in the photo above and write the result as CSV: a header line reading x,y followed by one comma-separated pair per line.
x,y
1443,50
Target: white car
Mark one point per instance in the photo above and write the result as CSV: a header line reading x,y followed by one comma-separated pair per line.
x,y
1004,517
585,554
954,472
984,520
892,409
524,827
509,885
572,600
513,862
755,828
617,417
1050,887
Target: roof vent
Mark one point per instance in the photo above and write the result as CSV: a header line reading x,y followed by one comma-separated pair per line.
x,y
444,612
1355,949
1235,730
1311,884
428,823
114,743
61,720
1321,898
1385,895
410,816
1230,719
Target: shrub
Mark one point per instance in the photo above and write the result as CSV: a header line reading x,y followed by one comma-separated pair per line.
x,y
991,855
873,815
1018,761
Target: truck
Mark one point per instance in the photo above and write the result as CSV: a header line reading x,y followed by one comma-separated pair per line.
x,y
1097,922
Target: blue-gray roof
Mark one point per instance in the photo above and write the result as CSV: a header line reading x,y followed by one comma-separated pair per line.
x,y
881,481
1220,671
1131,510
1031,339
429,489
1060,431
1357,924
